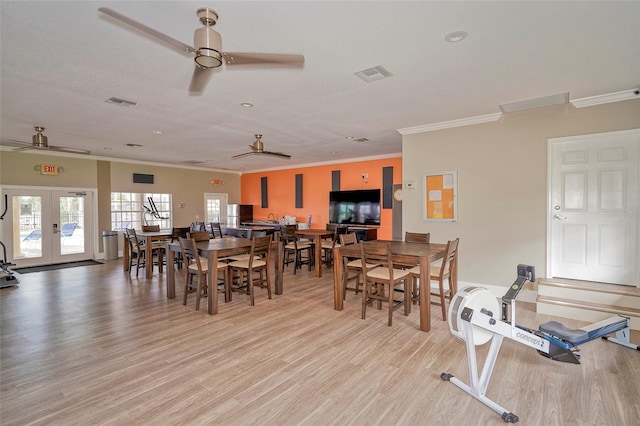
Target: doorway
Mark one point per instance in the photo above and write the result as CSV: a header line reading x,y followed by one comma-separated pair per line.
x,y
215,208
43,226
594,208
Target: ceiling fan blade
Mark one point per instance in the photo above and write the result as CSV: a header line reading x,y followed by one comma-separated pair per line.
x,y
176,44
270,59
199,79
242,155
69,150
13,142
276,154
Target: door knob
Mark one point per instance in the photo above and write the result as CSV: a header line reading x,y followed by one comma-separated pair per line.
x,y
559,217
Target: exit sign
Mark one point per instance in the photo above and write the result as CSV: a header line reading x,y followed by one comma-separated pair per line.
x,y
48,169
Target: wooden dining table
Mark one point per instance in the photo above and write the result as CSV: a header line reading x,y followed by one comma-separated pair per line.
x,y
403,253
147,238
212,250
317,235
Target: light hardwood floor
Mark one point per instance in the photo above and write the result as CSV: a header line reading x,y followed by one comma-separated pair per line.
x,y
91,345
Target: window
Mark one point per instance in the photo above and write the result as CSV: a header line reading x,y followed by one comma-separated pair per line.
x,y
127,210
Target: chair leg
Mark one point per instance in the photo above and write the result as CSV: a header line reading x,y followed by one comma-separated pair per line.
x,y
250,287
187,281
390,302
365,291
442,306
407,297
268,281
199,290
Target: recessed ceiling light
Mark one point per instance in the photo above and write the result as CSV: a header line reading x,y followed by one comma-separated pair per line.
x,y
334,152
246,104
348,137
157,132
456,36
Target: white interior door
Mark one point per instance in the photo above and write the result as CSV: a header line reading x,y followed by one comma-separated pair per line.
x,y
48,226
215,207
594,207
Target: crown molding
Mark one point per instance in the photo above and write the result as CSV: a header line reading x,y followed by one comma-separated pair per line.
x,y
625,95
450,124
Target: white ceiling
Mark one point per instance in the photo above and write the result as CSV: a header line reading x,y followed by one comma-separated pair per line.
x,y
61,60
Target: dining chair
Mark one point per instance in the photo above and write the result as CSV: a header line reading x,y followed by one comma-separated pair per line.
x,y
417,237
351,265
216,229
176,233
244,270
383,281
198,226
330,243
440,269
302,251
199,267
199,235
137,252
150,228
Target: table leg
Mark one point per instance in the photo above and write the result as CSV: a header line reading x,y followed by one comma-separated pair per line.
x,y
278,267
125,254
148,257
318,255
338,288
425,298
171,273
212,282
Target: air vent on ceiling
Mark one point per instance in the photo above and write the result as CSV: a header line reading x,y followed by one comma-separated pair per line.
x,y
133,145
543,102
121,102
193,162
360,140
373,74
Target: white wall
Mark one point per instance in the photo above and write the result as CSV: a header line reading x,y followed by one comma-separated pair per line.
x,y
502,183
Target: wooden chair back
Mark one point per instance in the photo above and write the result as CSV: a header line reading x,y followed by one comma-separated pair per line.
x,y
417,237
449,259
150,228
179,232
348,239
190,253
375,254
216,229
199,235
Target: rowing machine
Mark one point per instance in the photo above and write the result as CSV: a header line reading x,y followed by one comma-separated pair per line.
x,y
471,318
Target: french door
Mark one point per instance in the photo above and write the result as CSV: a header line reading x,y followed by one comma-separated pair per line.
x,y
44,226
594,206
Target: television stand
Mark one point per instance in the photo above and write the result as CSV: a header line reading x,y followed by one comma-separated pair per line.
x,y
364,233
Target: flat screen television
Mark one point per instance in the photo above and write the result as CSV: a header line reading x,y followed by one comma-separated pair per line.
x,y
358,207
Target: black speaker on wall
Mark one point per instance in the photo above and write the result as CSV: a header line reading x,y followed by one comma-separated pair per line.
x,y
298,191
263,192
142,178
387,187
335,180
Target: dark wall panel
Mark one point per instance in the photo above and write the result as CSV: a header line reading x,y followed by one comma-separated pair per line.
x,y
335,180
298,191
263,192
387,187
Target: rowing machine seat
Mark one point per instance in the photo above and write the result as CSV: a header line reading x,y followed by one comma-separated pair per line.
x,y
575,336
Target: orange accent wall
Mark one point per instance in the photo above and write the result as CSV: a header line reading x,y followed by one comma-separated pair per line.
x,y
316,185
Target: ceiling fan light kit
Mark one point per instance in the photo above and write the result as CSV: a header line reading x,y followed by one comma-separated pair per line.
x,y
39,140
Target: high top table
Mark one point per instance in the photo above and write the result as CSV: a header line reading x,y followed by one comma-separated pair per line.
x,y
401,252
147,238
212,250
317,235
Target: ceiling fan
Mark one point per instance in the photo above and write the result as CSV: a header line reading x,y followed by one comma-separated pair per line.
x,y
207,46
41,142
258,148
